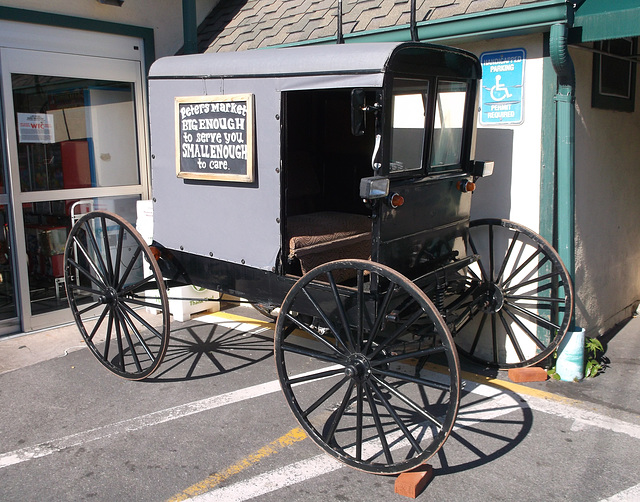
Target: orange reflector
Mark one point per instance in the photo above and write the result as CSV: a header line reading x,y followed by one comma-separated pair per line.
x,y
155,252
466,186
396,200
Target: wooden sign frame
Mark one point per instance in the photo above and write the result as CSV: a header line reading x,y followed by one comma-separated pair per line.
x,y
215,137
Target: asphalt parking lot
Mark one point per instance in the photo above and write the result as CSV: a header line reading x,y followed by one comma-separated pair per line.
x,y
212,424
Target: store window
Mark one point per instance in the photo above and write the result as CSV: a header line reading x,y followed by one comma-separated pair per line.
x,y
614,74
74,133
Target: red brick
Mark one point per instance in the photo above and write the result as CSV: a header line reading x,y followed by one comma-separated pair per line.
x,y
410,484
531,374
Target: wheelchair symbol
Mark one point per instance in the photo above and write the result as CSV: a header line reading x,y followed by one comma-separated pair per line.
x,y
499,91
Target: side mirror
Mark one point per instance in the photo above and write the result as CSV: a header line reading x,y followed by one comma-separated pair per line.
x,y
358,116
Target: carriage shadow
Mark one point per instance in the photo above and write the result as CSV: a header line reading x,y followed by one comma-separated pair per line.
x,y
203,350
487,428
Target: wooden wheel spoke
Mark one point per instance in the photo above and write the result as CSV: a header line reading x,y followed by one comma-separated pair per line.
x,y
396,418
525,264
325,318
107,246
526,330
339,413
132,288
483,273
138,335
321,375
303,351
417,354
512,337
89,308
107,341
128,310
325,396
341,312
539,320
123,325
98,323
127,271
410,403
89,232
536,280
507,256
479,331
380,315
90,261
313,333
359,417
378,423
408,378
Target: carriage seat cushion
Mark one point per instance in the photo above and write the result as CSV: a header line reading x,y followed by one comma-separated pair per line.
x,y
317,238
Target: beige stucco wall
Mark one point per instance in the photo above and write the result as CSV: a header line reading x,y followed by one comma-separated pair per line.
x,y
164,16
607,207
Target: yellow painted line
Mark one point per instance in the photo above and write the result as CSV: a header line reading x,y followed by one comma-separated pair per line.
x,y
293,436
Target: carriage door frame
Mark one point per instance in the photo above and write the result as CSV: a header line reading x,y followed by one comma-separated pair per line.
x,y
67,66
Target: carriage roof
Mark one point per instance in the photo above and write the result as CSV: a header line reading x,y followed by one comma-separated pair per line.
x,y
365,58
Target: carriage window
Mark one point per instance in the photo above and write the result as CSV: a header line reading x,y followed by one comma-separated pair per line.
x,y
408,125
447,134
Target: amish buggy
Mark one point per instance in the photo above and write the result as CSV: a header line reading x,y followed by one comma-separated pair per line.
x,y
331,187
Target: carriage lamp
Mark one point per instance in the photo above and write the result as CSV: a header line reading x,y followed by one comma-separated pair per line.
x,y
482,168
374,187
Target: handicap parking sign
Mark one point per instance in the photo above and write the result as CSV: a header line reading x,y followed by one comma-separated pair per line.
x,y
502,86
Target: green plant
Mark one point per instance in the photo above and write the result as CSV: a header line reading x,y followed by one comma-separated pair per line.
x,y
593,366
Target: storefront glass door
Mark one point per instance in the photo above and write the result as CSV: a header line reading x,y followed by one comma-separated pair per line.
x,y
8,304
76,143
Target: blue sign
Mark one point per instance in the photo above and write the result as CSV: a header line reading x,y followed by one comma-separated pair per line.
x,y
502,86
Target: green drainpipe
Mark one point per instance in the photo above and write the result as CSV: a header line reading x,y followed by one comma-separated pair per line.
x,y
565,150
190,26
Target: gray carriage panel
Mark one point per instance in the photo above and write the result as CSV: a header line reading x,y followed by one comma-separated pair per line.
x,y
236,222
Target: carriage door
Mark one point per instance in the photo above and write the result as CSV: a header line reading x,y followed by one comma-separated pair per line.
x,y
73,124
427,154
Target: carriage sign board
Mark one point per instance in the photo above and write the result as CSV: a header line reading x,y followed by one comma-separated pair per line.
x,y
214,137
502,86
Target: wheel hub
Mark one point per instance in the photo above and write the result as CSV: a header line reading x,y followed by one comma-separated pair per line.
x,y
493,299
110,296
358,368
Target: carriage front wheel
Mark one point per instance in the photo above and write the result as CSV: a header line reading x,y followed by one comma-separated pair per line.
x,y
517,301
369,369
105,278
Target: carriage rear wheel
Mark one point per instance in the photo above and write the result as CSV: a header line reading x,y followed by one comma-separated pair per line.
x,y
105,260
517,302
369,370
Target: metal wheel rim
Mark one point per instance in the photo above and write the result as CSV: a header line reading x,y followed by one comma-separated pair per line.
x,y
362,431
102,298
521,294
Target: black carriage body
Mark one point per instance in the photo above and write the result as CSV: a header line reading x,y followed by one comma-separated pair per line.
x,y
301,167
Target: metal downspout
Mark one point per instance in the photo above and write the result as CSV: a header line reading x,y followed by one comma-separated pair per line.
x,y
189,27
565,146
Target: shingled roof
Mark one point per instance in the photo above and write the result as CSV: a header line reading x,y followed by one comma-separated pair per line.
x,y
236,25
